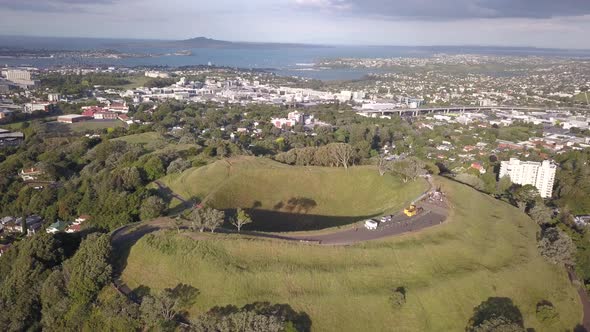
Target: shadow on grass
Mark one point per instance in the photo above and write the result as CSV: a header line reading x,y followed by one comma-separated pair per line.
x,y
123,243
182,207
168,195
278,221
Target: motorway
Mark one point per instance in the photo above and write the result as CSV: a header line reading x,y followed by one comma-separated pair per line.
x,y
456,109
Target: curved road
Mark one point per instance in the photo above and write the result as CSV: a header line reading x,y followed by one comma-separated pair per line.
x,y
431,216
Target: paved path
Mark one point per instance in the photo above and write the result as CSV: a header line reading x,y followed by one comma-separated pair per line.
x,y
432,216
585,299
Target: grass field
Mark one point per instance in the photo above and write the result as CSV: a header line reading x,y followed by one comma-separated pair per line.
x,y
84,126
136,82
486,249
154,142
287,198
149,140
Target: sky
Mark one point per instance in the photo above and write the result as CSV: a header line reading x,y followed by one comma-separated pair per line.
x,y
539,23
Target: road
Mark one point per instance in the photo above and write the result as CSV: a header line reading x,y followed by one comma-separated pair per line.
x,y
400,224
433,214
585,299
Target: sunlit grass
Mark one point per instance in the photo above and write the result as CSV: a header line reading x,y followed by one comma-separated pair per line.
x,y
486,248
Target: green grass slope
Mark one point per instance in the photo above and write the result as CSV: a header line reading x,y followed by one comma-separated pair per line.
x,y
154,142
280,193
486,249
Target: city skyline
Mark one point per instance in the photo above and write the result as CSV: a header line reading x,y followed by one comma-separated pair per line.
x,y
335,22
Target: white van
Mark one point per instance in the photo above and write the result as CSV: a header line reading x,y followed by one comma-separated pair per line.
x,y
371,224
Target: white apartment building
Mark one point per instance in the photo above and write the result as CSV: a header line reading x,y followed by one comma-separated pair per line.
x,y
19,76
540,175
157,74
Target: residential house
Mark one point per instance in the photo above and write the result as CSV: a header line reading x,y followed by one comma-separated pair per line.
x,y
8,138
56,227
105,115
38,106
30,174
33,224
76,226
118,107
478,167
125,119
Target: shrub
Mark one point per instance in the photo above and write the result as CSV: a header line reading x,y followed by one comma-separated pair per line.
x,y
398,297
546,312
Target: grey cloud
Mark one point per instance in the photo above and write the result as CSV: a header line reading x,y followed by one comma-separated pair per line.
x,y
462,9
50,5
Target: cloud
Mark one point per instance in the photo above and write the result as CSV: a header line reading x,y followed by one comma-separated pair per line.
x,y
51,5
454,9
324,4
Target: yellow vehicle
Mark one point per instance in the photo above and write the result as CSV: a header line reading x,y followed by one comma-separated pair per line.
x,y
412,210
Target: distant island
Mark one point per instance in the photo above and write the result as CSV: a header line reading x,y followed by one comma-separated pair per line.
x,y
203,42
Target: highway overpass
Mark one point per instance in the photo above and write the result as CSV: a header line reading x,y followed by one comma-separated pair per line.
x,y
453,109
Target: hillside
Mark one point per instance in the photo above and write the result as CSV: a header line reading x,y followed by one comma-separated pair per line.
x,y
154,142
486,249
283,197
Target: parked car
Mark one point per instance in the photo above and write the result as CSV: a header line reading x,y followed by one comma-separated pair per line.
x,y
371,224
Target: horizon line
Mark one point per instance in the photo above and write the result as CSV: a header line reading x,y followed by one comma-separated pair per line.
x,y
299,43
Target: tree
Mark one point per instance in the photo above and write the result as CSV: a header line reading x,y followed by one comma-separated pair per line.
x,y
165,307
128,178
524,196
496,314
340,153
242,218
504,185
152,207
541,213
471,180
214,219
409,169
23,224
29,263
178,166
89,269
55,302
556,246
255,317
154,168
113,312
384,165
196,219
202,218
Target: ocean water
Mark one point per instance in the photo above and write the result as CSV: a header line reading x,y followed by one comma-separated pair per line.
x,y
284,61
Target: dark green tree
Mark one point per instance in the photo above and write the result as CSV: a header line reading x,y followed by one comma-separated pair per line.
x,y
496,314
152,207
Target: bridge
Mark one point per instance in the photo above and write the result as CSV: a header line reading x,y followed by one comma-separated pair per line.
x,y
455,109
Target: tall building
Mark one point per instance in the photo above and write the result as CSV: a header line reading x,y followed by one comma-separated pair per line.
x,y
540,175
19,77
